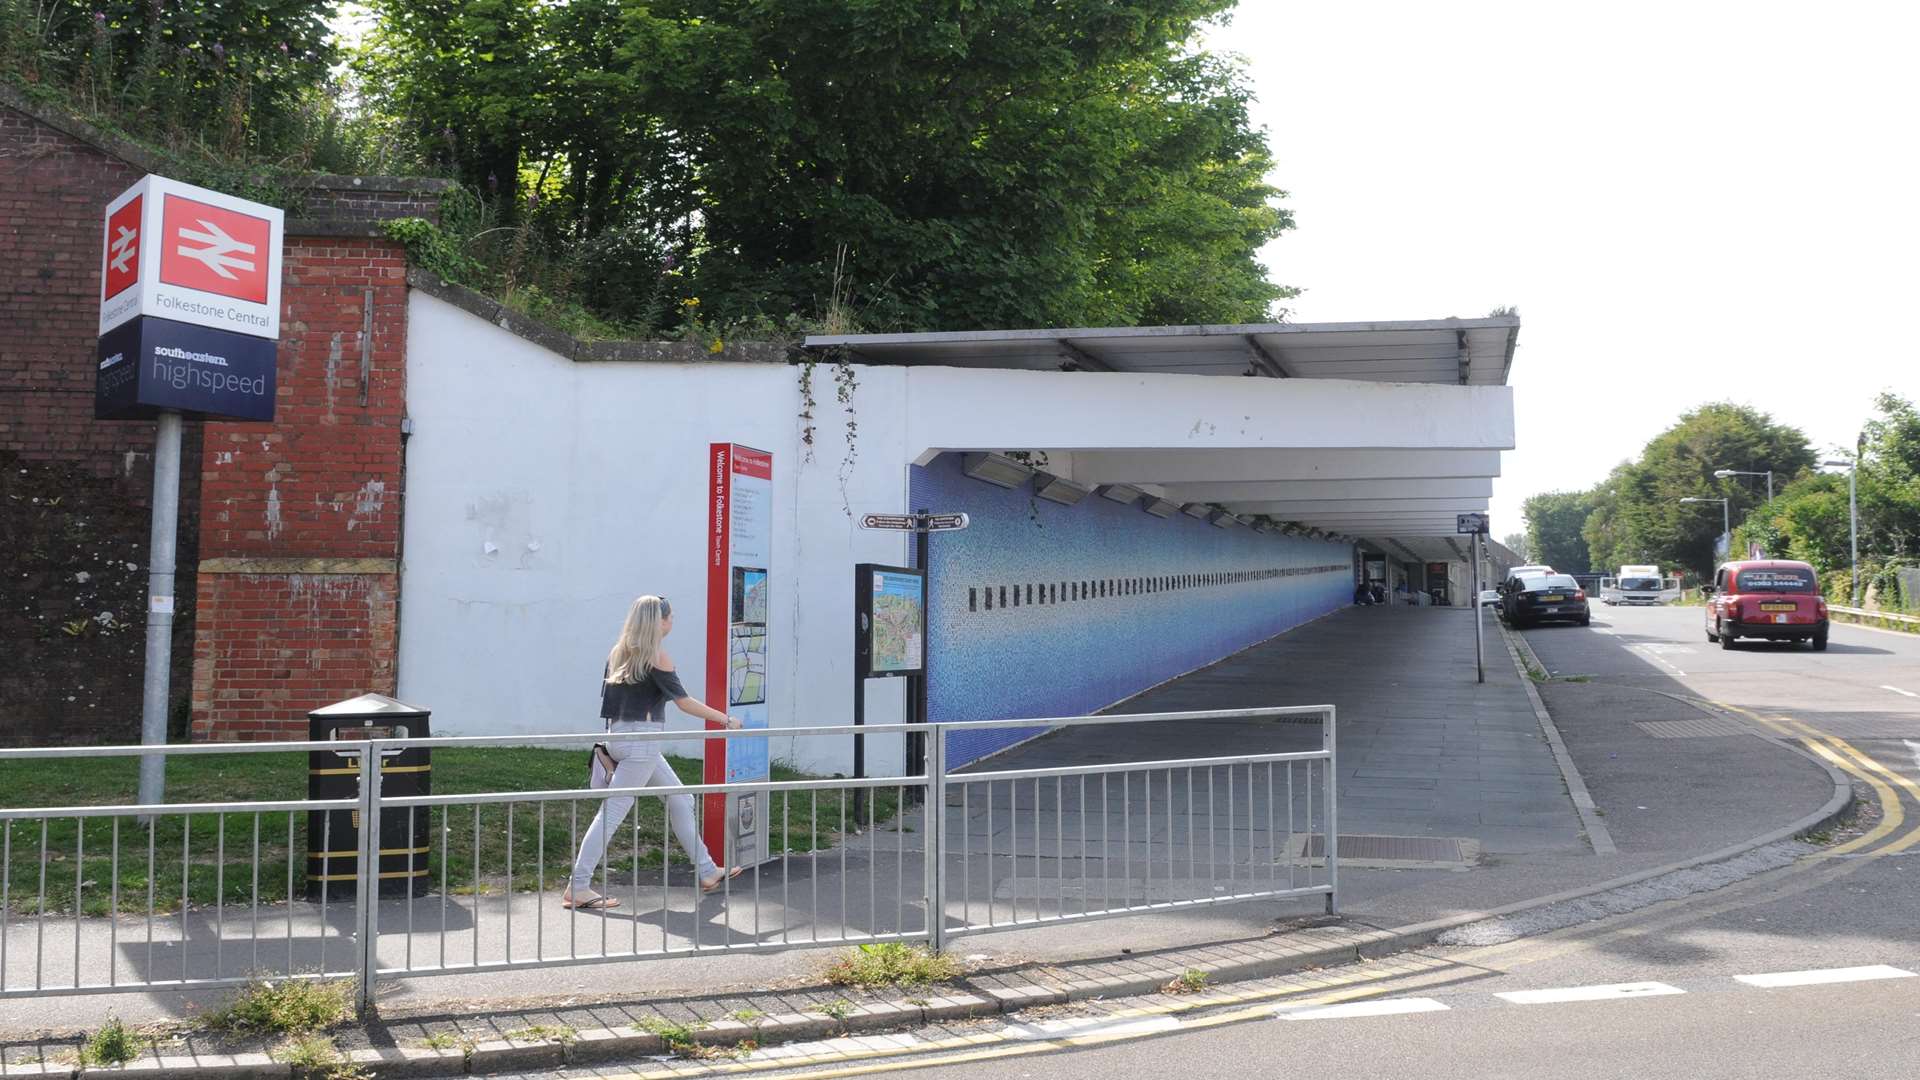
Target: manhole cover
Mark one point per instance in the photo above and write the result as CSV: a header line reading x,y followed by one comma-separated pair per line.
x,y
1395,852
1705,727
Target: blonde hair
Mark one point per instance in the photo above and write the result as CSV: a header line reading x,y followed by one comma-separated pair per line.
x,y
639,642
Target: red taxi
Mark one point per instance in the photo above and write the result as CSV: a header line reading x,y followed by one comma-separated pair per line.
x,y
1775,599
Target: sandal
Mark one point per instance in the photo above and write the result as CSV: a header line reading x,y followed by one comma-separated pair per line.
x,y
721,879
596,902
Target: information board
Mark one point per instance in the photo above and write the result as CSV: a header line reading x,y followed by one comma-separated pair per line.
x,y
740,542
891,621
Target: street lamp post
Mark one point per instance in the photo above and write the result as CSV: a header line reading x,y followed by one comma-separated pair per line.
x,y
1726,519
1853,523
1722,474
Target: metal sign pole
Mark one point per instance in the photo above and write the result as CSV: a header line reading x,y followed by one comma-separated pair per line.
x,y
1479,619
160,560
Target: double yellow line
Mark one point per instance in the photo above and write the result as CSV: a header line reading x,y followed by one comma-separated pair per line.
x,y
1854,762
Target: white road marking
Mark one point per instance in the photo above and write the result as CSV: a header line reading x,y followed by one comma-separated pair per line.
x,y
1610,992
1826,975
1897,690
1915,747
1392,1007
1082,1027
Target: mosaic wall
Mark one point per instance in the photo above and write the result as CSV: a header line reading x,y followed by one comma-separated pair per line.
x,y
1039,609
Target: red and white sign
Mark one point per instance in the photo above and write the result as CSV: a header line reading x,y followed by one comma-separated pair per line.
x,y
185,253
123,250
739,545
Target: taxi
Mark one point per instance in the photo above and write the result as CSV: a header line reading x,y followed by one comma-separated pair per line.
x,y
1772,599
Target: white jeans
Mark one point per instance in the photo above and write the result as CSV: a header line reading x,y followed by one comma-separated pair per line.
x,y
639,764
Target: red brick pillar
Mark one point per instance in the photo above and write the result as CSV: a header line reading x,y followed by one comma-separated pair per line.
x,y
300,519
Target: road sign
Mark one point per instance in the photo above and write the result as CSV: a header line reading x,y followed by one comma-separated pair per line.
x,y
1470,524
174,251
914,522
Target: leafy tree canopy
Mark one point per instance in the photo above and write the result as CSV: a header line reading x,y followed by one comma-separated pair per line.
x,y
966,163
1637,515
1554,523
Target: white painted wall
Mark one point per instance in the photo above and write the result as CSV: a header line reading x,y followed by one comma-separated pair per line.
x,y
543,495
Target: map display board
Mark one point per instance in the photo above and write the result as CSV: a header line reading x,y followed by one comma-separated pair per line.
x,y
739,543
892,621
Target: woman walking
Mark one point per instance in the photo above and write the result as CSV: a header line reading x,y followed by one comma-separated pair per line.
x,y
639,681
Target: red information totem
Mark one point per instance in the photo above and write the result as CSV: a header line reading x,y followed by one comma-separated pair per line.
x,y
739,546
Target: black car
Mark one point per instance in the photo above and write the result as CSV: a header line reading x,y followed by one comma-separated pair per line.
x,y
1547,598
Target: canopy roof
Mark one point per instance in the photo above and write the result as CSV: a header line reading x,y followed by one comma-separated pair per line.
x,y
1476,352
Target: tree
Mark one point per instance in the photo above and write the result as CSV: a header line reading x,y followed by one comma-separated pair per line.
x,y
1637,515
235,76
967,163
1516,543
1554,521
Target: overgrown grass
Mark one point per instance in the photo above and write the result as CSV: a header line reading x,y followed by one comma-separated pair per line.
x,y
315,1057
201,859
293,1007
115,1043
892,963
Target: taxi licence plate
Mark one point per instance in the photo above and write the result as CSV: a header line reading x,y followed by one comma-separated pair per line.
x,y
1551,599
1779,607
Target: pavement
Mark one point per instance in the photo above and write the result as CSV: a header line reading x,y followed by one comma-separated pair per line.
x,y
1426,751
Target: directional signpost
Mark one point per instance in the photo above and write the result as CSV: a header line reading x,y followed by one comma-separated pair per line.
x,y
1474,526
889,585
189,318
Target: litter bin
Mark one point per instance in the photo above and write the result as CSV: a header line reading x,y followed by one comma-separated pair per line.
x,y
333,836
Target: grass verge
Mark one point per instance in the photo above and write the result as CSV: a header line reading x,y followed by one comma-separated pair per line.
x,y
194,860
114,1044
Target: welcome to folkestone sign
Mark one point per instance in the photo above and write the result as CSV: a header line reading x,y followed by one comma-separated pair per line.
x,y
189,318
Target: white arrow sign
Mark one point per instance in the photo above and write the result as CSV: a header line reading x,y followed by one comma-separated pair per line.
x,y
218,255
123,249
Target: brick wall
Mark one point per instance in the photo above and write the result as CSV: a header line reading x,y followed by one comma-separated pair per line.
x,y
73,556
300,540
293,527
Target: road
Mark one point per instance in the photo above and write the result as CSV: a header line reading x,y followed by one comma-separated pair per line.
x,y
1803,971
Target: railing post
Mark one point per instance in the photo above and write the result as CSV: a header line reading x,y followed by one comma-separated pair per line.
x,y
933,827
367,878
1327,743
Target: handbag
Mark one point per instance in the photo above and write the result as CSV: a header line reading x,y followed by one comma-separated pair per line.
x,y
600,766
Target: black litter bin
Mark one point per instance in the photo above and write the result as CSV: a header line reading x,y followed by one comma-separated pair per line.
x,y
333,836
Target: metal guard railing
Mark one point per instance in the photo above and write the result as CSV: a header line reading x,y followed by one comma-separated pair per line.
x,y
984,850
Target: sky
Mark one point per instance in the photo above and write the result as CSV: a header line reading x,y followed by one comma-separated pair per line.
x,y
1687,202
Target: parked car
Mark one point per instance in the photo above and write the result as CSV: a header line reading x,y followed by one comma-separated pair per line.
x,y
1520,574
1547,598
1775,599
1490,598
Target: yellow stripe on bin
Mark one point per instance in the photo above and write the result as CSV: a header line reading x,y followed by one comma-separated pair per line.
x,y
386,770
356,877
421,850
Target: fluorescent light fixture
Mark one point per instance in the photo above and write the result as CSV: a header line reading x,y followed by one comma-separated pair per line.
x,y
1160,508
996,469
1059,489
1197,510
1124,494
1222,519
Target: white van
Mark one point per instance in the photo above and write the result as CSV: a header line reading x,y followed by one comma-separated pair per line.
x,y
1639,585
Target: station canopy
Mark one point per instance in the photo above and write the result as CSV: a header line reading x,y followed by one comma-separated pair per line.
x,y
1380,431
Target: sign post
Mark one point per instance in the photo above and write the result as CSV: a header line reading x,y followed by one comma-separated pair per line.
x,y
739,543
879,639
1475,525
189,318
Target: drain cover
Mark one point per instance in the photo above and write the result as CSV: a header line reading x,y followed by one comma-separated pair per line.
x,y
1395,852
1705,727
